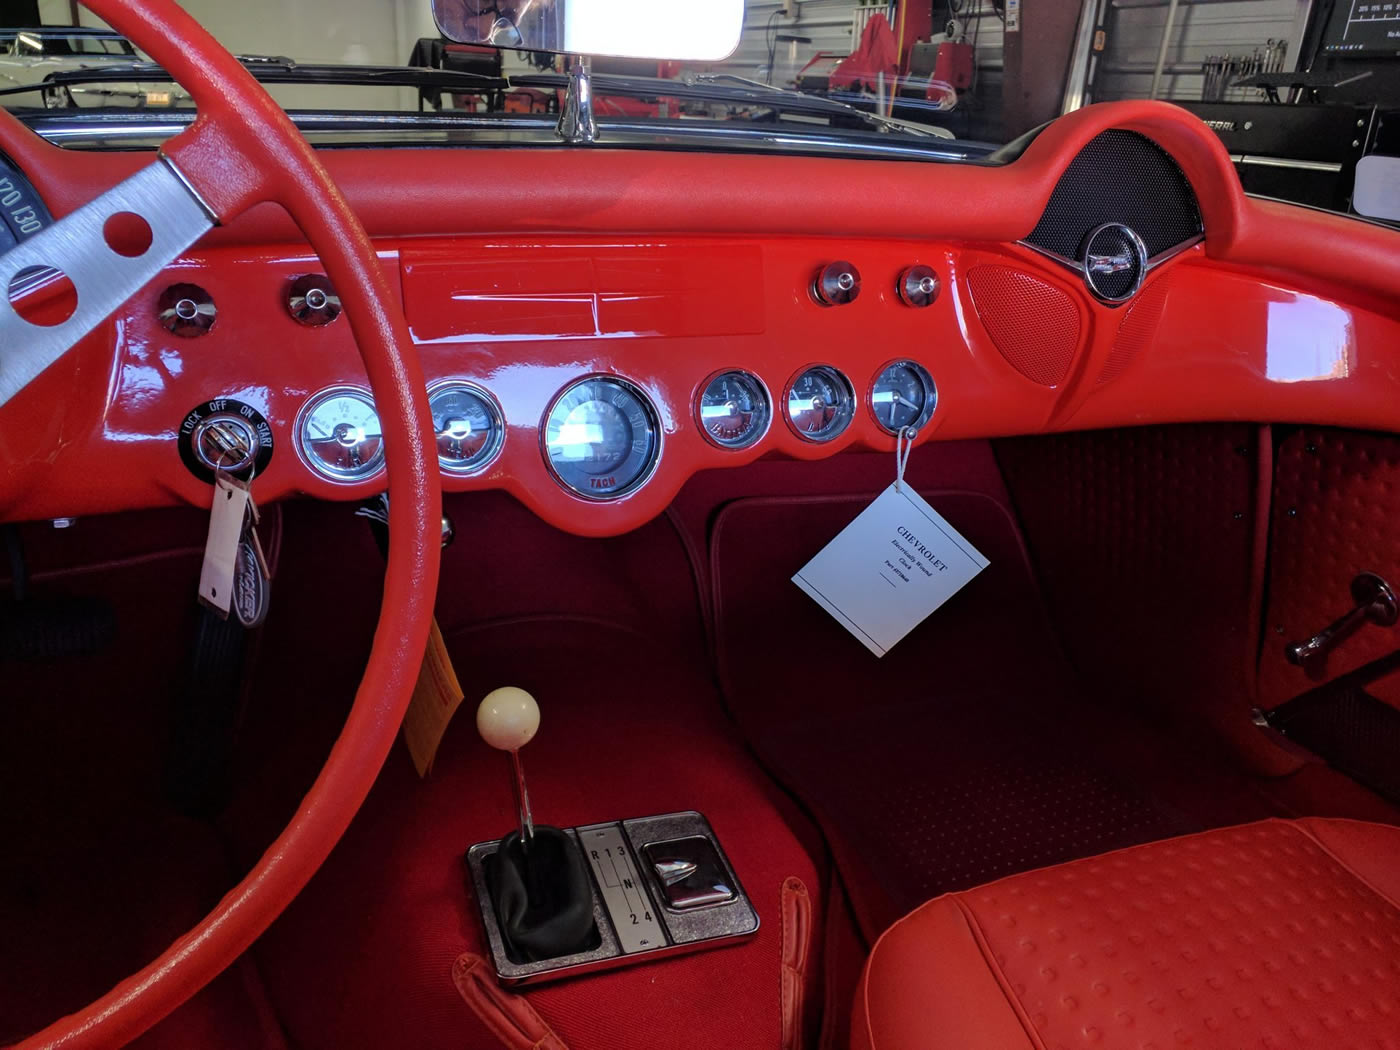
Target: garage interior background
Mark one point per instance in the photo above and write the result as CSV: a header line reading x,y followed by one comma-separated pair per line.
x,y
1029,61
383,32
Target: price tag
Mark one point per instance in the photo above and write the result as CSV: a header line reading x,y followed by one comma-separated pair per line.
x,y
890,568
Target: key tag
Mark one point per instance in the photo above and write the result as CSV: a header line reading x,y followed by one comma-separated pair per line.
x,y
228,517
891,567
235,577
252,578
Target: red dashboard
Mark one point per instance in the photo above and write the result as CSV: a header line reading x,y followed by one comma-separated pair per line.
x,y
523,271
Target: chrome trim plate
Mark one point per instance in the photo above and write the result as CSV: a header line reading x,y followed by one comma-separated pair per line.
x,y
618,893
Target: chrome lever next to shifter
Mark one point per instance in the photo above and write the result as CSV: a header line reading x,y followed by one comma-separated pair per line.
x,y
1375,603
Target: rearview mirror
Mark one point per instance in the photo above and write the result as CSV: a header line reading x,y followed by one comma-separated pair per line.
x,y
681,30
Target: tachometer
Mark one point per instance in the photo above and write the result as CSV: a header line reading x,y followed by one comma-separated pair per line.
x,y
601,437
470,430
339,435
734,410
820,403
904,395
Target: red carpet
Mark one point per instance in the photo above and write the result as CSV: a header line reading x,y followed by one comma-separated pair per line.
x,y
604,634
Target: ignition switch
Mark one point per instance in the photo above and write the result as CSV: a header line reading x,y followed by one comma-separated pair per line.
x,y
228,434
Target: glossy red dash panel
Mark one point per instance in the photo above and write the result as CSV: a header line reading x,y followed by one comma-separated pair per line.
x,y
664,267
489,290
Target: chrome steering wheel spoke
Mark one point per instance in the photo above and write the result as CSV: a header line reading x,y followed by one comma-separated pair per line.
x,y
103,277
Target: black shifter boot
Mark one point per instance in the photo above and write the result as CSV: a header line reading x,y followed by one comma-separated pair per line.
x,y
542,896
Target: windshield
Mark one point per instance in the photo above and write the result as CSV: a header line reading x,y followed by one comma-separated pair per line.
x,y
1288,87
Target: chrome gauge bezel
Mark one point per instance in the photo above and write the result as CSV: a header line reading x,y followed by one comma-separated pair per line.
x,y
754,436
925,377
492,452
649,459
846,410
367,470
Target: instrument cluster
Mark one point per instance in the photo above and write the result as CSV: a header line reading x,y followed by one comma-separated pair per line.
x,y
590,381
601,436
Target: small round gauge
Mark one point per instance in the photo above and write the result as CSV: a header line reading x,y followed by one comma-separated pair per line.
x,y
820,403
601,437
904,395
339,436
470,430
734,409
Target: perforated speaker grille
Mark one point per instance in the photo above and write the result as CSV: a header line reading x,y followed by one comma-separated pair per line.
x,y
1136,329
1120,176
1034,324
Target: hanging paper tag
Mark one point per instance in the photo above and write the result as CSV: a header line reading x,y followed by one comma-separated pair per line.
x,y
226,521
436,698
890,568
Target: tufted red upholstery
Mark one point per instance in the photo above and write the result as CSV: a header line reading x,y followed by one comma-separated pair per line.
x,y
1280,934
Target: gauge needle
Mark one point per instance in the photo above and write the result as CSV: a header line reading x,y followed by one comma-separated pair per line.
x,y
906,402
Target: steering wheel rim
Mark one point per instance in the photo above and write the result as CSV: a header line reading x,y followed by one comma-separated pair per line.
x,y
241,150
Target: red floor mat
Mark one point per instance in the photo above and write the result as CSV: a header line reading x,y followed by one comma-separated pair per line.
x,y
965,754
75,925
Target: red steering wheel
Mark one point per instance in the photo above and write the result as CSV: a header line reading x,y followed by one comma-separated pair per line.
x,y
241,150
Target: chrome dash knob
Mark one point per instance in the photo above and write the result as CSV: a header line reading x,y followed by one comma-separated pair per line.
x,y
312,300
187,310
918,286
836,284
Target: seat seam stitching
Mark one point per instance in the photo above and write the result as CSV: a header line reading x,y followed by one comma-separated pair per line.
x,y
999,975
1308,833
864,987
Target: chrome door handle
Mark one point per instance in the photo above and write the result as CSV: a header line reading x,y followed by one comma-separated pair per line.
x,y
1375,603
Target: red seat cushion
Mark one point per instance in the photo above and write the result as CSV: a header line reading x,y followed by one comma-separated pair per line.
x,y
1281,934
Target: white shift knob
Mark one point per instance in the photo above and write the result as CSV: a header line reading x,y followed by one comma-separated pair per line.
x,y
508,718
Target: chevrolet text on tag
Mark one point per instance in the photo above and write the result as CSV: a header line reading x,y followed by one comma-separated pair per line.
x,y
891,567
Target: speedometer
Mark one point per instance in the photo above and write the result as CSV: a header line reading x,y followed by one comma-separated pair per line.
x,y
601,437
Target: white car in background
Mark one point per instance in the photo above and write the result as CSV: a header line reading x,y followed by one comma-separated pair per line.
x,y
31,55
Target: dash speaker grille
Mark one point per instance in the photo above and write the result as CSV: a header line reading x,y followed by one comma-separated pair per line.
x,y
1136,329
1034,324
1119,176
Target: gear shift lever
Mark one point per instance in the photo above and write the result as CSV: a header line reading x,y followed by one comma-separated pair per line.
x,y
538,879
508,719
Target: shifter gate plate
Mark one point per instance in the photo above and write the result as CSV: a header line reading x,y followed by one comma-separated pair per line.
x,y
627,887
631,910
